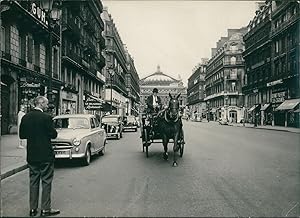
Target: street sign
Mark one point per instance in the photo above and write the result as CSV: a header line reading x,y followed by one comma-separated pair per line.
x,y
92,104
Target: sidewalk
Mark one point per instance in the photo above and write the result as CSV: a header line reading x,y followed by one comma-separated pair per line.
x,y
13,159
269,127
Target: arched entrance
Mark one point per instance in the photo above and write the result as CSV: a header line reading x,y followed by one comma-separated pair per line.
x,y
6,82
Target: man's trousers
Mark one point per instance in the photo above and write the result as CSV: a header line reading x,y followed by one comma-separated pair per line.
x,y
40,172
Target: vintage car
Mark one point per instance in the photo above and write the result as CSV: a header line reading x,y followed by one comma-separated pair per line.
x,y
130,123
79,136
113,126
223,121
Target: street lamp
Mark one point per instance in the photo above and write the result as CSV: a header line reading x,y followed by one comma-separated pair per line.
x,y
53,13
111,74
127,104
208,111
226,107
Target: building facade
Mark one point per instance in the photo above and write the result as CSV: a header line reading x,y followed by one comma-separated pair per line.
x,y
165,85
122,88
196,91
60,60
133,87
224,78
25,55
275,83
82,60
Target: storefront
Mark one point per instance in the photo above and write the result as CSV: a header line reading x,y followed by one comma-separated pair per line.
x,y
289,112
69,102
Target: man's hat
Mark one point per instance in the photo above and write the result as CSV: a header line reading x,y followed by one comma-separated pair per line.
x,y
155,90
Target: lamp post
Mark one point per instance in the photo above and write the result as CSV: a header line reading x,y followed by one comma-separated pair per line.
x,y
127,104
111,74
53,13
208,111
226,107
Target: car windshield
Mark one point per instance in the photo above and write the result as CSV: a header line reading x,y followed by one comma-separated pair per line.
x,y
71,123
109,119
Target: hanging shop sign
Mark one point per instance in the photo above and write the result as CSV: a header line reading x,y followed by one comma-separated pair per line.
x,y
39,13
92,104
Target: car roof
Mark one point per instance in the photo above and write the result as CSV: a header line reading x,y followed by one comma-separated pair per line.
x,y
74,116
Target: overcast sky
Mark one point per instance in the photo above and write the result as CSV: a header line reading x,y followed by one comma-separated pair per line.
x,y
175,34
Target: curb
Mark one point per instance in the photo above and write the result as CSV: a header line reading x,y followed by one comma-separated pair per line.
x,y
281,130
13,171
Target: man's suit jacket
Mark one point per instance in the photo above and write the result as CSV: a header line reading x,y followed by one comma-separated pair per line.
x,y
37,128
150,100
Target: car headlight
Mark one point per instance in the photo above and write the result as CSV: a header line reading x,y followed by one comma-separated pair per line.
x,y
76,142
102,126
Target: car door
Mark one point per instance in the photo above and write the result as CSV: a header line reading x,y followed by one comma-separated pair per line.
x,y
93,135
99,136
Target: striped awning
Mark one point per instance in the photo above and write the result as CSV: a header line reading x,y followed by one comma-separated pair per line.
x,y
288,104
252,108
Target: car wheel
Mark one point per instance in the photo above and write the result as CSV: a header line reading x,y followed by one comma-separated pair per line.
x,y
87,157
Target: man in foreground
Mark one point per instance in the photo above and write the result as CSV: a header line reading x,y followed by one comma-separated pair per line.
x,y
37,127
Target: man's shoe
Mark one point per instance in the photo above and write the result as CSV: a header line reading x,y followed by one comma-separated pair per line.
x,y
33,212
50,212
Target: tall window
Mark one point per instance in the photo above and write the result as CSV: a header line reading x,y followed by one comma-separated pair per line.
x,y
2,38
55,63
29,49
22,51
36,53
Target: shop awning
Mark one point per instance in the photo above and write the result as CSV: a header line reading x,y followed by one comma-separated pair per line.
x,y
252,108
288,104
265,106
297,111
3,84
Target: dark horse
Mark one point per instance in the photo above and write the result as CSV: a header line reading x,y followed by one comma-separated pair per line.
x,y
170,126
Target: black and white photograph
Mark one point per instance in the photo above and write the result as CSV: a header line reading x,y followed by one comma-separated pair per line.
x,y
150,108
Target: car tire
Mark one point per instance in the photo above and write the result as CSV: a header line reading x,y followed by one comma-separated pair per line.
x,y
87,157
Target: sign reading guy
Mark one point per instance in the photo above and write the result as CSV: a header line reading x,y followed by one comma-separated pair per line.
x,y
39,13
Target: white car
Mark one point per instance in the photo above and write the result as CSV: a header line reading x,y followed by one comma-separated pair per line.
x,y
79,136
223,121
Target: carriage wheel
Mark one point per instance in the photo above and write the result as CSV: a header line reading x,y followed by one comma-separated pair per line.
x,y
146,141
181,149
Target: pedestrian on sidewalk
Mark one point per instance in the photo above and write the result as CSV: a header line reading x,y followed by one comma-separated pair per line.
x,y
21,113
37,128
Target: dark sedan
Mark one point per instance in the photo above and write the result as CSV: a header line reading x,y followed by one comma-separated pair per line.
x,y
113,126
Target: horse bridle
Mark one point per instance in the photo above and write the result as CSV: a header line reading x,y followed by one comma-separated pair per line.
x,y
170,120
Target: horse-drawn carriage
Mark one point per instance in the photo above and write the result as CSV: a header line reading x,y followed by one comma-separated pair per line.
x,y
163,126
